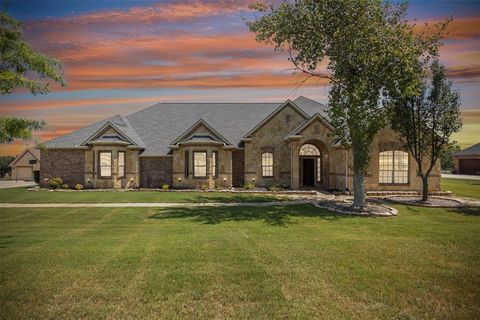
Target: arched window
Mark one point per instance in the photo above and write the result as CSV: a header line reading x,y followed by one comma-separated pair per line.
x,y
309,150
393,167
267,164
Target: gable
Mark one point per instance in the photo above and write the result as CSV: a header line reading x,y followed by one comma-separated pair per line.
x,y
287,108
315,123
23,159
109,133
201,129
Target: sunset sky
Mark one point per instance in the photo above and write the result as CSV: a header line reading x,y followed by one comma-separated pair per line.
x,y
122,56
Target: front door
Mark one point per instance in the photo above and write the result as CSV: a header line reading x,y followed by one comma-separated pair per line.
x,y
308,172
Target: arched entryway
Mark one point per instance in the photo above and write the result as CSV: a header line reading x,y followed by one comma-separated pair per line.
x,y
311,166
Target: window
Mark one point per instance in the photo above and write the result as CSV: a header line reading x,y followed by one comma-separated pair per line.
x,y
121,164
200,164
309,150
32,162
105,164
393,167
187,163
214,164
267,164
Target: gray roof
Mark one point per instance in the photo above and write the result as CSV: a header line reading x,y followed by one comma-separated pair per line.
x,y
156,127
470,151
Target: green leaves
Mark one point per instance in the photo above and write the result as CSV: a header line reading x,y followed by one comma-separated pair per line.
x,y
19,61
15,128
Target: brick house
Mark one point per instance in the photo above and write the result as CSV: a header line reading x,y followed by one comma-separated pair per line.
x,y
207,145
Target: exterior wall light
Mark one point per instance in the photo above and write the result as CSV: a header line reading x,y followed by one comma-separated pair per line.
x,y
224,179
253,179
179,179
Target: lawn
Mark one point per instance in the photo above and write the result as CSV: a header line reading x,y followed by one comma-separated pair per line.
x,y
462,187
22,195
239,262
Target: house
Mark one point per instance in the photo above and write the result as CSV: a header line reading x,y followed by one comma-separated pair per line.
x,y
26,166
207,145
467,161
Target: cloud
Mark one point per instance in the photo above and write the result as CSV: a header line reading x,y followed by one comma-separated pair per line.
x,y
461,28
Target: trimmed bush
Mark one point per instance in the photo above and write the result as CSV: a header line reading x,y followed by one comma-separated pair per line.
x,y
166,187
65,186
278,187
55,183
78,186
249,185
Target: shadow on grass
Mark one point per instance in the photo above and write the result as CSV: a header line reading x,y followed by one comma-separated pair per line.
x,y
5,241
243,198
281,216
467,211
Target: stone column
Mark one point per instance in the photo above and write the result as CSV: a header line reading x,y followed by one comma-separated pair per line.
x,y
295,169
210,182
117,183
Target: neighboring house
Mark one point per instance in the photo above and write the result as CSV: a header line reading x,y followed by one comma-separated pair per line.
x,y
467,161
206,145
26,165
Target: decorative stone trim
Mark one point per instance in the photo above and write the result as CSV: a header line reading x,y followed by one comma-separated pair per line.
x,y
376,210
441,203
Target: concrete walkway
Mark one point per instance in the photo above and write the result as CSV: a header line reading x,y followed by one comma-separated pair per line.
x,y
151,204
16,184
461,176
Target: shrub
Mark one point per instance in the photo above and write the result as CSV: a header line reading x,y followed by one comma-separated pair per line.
x,y
278,187
65,186
55,183
166,187
249,185
78,186
204,186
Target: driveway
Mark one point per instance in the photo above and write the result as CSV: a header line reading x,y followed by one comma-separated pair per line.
x,y
461,176
16,184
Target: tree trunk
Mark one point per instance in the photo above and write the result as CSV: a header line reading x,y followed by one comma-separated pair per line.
x,y
358,191
424,188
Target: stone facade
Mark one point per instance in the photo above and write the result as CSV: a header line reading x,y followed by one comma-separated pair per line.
x,y
283,135
66,164
270,138
155,171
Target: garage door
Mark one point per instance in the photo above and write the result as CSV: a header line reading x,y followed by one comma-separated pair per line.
x,y
24,173
469,166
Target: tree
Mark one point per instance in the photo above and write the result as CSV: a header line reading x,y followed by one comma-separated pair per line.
x,y
19,60
427,121
4,165
372,55
447,159
15,128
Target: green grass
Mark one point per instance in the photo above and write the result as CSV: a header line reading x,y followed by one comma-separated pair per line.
x,y
22,195
462,187
258,263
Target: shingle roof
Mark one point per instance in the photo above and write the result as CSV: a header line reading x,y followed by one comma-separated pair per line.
x,y
472,150
157,126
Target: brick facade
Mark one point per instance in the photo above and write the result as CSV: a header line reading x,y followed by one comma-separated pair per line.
x,y
66,164
155,172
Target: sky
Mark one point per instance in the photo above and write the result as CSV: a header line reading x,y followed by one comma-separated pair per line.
x,y
121,56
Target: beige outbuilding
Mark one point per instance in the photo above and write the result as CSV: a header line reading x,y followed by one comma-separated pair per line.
x,y
26,165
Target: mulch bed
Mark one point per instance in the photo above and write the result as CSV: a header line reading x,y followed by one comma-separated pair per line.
x,y
345,207
435,202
